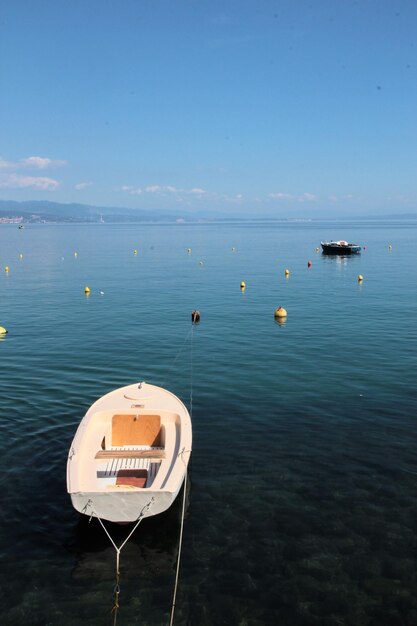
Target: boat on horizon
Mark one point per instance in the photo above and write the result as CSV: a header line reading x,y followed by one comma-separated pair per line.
x,y
130,454
339,247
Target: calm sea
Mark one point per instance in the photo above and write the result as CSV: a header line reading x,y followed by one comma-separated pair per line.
x,y
302,501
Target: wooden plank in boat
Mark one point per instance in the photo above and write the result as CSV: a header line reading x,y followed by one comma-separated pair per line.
x,y
130,454
132,478
135,430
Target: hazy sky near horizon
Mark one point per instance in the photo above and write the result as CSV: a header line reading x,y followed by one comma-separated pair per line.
x,y
292,108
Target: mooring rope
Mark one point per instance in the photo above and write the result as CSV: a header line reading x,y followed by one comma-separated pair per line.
x,y
177,573
147,506
119,549
191,371
168,372
174,595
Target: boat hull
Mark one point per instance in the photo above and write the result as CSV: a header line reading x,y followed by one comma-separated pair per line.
x,y
130,454
339,249
126,507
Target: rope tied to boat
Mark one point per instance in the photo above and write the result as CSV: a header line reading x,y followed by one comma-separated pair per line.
x,y
180,454
177,573
144,510
171,368
116,601
191,371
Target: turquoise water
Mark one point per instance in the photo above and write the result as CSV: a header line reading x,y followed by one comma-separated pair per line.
x,y
302,506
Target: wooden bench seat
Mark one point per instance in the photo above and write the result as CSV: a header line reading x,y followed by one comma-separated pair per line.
x,y
130,454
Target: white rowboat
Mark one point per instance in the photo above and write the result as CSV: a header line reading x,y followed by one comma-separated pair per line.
x,y
129,456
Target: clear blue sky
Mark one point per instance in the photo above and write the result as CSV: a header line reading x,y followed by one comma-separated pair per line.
x,y
292,108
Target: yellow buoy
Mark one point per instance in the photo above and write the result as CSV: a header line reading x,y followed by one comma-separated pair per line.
x,y
360,278
287,272
87,290
317,249
280,312
75,254
3,331
6,269
390,247
135,251
243,285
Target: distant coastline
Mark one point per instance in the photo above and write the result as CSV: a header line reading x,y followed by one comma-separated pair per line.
x,y
39,212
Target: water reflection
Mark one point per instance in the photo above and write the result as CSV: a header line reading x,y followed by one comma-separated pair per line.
x,y
280,321
340,260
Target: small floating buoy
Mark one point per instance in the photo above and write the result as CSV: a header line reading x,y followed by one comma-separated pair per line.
x,y
317,249
6,269
20,256
189,250
135,251
287,273
75,254
280,312
243,285
309,264
195,317
200,263
390,247
101,293
360,278
233,249
3,331
86,290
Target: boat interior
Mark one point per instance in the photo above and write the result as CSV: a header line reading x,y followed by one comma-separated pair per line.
x,y
137,451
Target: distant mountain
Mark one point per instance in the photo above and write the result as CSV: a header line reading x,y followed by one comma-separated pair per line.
x,y
39,211
35,211
393,216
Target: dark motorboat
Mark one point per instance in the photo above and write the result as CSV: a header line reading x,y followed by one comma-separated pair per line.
x,y
339,247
